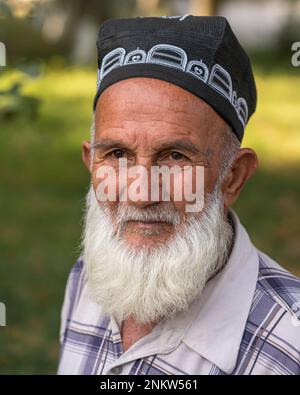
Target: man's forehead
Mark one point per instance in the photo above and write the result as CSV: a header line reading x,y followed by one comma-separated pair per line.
x,y
147,90
148,99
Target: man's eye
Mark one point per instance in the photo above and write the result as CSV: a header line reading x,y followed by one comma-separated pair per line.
x,y
118,153
177,155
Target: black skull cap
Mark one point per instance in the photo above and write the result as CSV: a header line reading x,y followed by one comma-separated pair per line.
x,y
200,54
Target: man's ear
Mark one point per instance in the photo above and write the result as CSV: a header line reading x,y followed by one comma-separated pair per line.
x,y
86,154
241,170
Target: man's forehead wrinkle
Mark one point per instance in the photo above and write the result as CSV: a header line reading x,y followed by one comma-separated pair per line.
x,y
173,118
196,120
140,135
157,93
136,110
154,139
161,103
141,110
158,132
136,121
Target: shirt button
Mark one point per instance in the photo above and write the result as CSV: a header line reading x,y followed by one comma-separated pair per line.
x,y
116,370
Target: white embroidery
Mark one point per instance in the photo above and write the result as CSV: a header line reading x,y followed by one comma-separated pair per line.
x,y
136,56
98,79
167,55
220,80
180,17
184,16
112,60
198,69
172,56
234,99
242,110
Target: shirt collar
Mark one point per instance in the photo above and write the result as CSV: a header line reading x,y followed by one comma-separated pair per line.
x,y
215,323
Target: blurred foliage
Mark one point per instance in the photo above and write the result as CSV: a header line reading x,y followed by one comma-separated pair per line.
x,y
44,185
13,102
25,36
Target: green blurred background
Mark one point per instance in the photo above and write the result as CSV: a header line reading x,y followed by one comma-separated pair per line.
x,y
46,93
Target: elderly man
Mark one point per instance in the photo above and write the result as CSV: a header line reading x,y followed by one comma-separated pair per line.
x,y
160,289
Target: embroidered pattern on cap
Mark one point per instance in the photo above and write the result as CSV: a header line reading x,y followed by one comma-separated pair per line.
x,y
168,55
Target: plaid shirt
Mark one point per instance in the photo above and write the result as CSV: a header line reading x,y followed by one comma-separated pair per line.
x,y
245,322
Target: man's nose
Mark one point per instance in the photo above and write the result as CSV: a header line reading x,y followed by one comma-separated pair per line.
x,y
139,192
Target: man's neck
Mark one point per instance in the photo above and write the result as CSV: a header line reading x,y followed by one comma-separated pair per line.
x,y
131,331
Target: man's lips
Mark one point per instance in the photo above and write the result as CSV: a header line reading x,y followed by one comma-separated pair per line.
x,y
148,224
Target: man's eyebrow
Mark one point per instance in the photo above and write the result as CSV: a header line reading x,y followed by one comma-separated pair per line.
x,y
186,145
107,143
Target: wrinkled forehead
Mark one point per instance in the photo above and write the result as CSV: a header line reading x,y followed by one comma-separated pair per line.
x,y
151,91
152,104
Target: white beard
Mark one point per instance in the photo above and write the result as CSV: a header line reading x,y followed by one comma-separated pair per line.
x,y
152,284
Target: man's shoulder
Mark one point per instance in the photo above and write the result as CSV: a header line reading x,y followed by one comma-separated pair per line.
x,y
275,311
271,339
75,282
278,283
78,266
77,271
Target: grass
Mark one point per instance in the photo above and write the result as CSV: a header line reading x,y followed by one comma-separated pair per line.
x,y
44,185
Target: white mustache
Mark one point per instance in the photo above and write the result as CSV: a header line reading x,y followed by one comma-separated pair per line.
x,y
165,212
